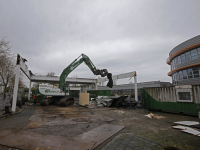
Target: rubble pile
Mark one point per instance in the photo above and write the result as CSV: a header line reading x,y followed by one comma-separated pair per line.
x,y
114,101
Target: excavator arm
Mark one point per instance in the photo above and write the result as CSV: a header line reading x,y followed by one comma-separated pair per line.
x,y
92,67
88,62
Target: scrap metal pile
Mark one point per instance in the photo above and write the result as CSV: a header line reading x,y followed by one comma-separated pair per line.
x,y
114,101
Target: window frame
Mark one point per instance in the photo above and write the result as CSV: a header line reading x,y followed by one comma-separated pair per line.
x,y
172,64
183,56
188,73
195,52
178,60
188,57
180,74
182,89
198,52
194,71
183,74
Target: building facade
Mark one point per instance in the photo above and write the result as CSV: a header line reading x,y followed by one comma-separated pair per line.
x,y
184,60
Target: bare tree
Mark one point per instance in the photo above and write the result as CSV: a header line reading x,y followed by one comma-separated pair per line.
x,y
7,66
4,47
51,73
34,85
6,70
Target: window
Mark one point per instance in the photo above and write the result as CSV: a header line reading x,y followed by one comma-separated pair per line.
x,y
174,78
195,72
172,65
184,74
184,96
183,58
194,54
180,75
175,62
189,72
187,56
198,51
179,60
184,93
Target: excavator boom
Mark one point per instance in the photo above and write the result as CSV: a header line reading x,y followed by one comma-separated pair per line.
x,y
88,62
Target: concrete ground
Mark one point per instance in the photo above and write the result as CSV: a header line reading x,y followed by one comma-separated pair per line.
x,y
134,120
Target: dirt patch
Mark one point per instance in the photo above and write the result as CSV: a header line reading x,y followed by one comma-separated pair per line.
x,y
158,130
36,124
62,117
134,120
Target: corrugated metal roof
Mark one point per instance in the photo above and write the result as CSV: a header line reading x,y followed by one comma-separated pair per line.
x,y
131,86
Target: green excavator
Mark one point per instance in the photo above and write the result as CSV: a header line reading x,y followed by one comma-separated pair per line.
x,y
88,62
62,96
67,99
82,58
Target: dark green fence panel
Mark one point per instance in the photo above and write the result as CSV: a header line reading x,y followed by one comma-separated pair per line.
x,y
150,103
95,93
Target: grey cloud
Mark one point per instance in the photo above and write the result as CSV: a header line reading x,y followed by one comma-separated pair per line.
x,y
121,36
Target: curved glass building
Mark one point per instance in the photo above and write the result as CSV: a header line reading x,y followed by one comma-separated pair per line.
x,y
184,60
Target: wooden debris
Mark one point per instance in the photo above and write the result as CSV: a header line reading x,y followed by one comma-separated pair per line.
x,y
154,116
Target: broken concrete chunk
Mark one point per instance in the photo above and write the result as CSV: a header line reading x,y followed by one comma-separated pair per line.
x,y
115,101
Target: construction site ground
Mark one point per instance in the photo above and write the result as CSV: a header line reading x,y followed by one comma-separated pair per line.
x,y
68,122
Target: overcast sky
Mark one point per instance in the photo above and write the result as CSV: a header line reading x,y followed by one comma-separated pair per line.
x,y
119,35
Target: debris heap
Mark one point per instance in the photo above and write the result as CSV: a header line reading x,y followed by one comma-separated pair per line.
x,y
114,101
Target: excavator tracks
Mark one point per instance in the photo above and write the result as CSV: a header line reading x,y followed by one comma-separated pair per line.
x,y
66,101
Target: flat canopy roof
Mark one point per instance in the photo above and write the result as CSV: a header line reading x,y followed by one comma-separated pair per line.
x,y
55,79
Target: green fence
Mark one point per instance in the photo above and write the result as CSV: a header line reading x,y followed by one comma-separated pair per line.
x,y
95,93
148,102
